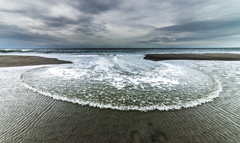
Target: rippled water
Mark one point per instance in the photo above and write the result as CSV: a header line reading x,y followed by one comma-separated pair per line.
x,y
119,83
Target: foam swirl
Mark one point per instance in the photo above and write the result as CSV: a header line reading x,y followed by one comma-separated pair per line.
x,y
113,82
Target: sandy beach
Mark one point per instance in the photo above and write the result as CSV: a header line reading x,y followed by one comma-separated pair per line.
x,y
27,116
15,61
207,56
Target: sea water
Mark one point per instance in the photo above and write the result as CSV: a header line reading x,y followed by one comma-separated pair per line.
x,y
124,83
120,79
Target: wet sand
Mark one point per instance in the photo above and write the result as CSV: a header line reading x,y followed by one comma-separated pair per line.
x,y
15,61
213,56
26,116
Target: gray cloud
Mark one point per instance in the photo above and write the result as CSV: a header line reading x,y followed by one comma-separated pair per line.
x,y
91,30
63,21
12,11
95,6
59,21
193,31
157,39
84,24
11,32
201,26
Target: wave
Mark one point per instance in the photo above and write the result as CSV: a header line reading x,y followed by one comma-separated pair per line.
x,y
119,51
15,50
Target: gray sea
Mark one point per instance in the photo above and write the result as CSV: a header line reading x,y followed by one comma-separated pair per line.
x,y
114,95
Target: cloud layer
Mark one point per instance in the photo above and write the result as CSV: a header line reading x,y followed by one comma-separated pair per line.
x,y
120,24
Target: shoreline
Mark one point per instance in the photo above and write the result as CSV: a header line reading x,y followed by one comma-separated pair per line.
x,y
207,56
16,61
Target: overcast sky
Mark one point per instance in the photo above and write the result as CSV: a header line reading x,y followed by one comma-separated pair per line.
x,y
119,24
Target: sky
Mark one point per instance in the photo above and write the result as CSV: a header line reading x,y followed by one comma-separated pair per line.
x,y
119,23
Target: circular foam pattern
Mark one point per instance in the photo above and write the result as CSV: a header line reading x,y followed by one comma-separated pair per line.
x,y
119,87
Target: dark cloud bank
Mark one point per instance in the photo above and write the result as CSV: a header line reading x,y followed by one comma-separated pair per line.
x,y
96,23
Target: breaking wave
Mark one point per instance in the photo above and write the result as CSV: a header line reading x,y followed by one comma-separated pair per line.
x,y
15,50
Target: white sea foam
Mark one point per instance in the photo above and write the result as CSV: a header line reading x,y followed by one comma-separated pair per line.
x,y
119,83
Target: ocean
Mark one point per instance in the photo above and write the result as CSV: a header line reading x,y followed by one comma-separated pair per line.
x,y
117,51
114,95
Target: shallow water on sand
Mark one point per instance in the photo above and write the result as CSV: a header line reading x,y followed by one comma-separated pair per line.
x,y
27,116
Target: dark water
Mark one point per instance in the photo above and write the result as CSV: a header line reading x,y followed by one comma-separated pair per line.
x,y
117,51
31,115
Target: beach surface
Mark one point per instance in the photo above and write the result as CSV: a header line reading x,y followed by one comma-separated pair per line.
x,y
27,116
15,61
208,56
